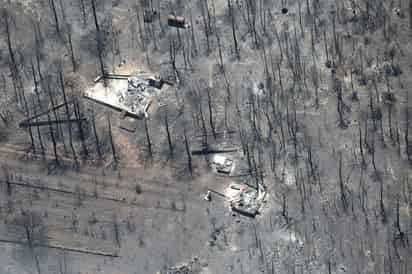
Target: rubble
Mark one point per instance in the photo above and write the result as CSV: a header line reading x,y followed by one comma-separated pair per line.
x,y
177,22
259,89
397,11
246,200
208,196
192,267
130,94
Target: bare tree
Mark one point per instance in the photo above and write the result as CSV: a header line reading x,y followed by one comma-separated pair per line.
x,y
96,136
149,142
341,184
100,43
56,18
78,114
68,115
12,63
69,40
408,146
169,139
188,152
116,230
233,24
210,106
111,140
83,11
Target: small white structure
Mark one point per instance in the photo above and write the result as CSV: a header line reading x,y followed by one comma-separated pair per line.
x,y
222,164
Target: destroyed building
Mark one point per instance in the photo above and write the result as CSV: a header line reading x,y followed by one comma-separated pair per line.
x,y
177,22
247,200
192,267
129,94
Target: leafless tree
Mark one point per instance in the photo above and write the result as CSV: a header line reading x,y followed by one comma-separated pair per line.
x,y
149,142
114,154
99,42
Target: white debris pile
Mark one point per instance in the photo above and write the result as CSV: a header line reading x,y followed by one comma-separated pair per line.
x,y
222,164
137,94
246,200
130,94
192,267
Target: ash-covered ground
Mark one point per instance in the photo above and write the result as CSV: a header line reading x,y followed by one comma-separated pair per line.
x,y
301,107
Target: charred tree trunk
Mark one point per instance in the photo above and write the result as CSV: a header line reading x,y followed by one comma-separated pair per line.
x,y
68,115
341,184
397,221
83,11
51,131
56,18
27,114
361,144
80,128
111,140
381,203
116,230
193,37
12,62
169,139
99,41
96,136
149,142
7,180
39,137
206,26
410,15
211,120
188,153
233,24
73,59
408,148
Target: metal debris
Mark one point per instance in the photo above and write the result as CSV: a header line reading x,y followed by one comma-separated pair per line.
x,y
248,200
193,267
177,22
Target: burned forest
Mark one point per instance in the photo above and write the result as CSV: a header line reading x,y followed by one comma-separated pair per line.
x,y
205,136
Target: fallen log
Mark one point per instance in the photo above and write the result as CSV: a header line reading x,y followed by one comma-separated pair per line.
x,y
68,249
